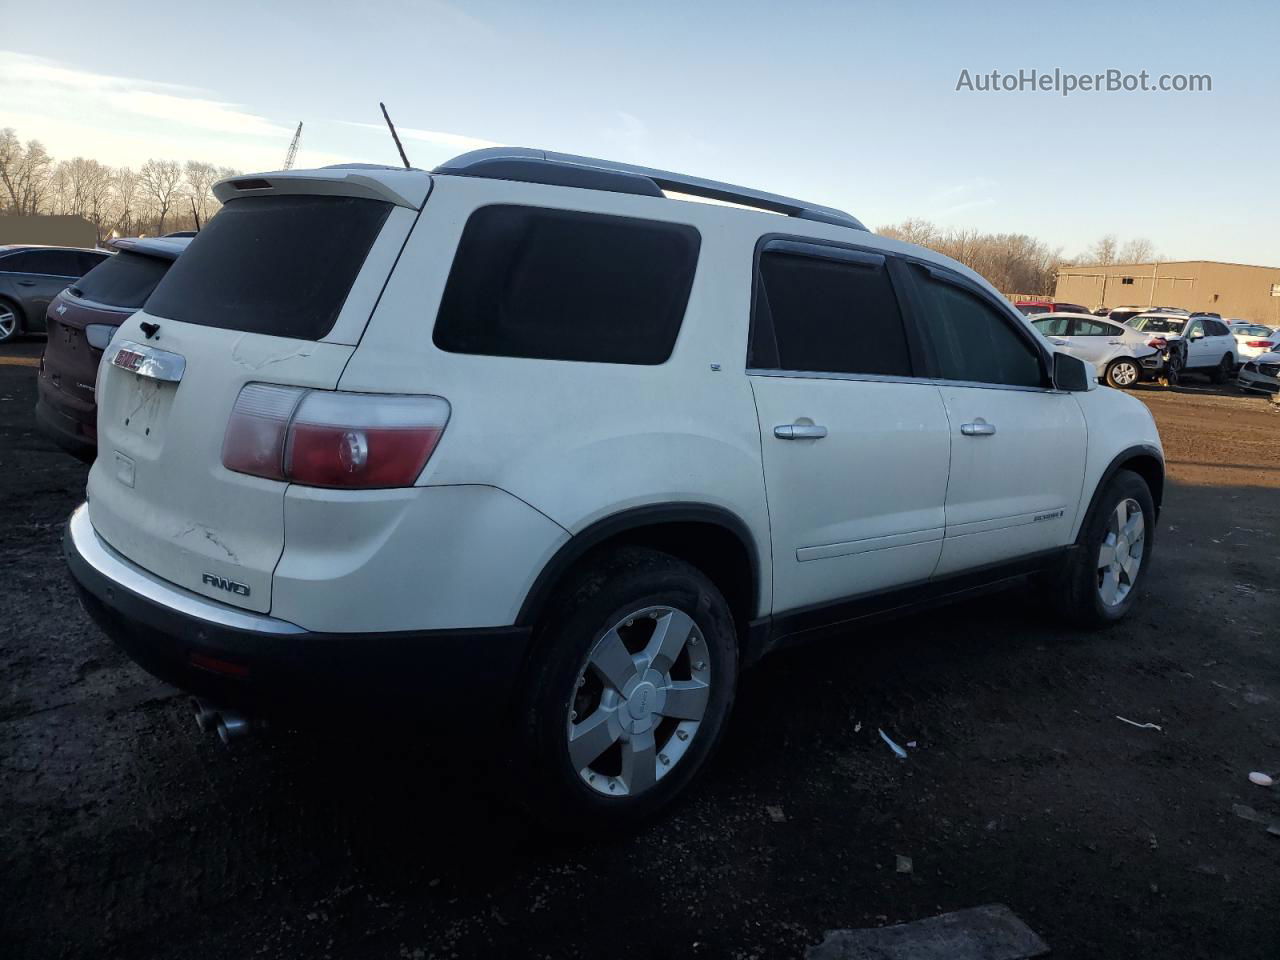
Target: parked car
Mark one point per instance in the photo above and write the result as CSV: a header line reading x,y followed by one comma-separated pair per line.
x,y
31,276
1253,339
1261,373
1211,349
81,321
1120,355
1031,307
553,450
1125,314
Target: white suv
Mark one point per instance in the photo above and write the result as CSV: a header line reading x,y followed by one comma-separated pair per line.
x,y
524,439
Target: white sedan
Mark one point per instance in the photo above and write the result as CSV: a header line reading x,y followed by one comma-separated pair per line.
x,y
1253,339
1261,374
1121,355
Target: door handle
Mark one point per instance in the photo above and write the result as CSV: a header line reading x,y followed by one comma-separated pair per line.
x,y
799,431
1116,343
1058,342
979,428
26,283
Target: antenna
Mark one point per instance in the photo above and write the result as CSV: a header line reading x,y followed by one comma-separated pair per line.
x,y
394,136
292,153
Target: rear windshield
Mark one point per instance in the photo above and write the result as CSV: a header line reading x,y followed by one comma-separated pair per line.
x,y
125,280
1159,324
279,265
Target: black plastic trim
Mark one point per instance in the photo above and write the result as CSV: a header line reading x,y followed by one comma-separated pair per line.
x,y
635,518
819,620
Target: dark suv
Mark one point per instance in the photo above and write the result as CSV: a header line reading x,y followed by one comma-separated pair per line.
x,y
81,321
30,277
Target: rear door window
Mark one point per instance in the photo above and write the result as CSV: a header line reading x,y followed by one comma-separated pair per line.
x,y
831,311
564,285
125,280
277,265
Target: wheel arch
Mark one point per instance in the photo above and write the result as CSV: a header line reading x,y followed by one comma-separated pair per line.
x,y
713,539
1143,459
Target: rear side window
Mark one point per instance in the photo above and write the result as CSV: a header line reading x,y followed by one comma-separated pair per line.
x,y
562,285
827,316
125,280
278,265
971,341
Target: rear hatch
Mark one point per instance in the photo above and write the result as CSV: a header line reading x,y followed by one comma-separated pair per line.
x,y
276,289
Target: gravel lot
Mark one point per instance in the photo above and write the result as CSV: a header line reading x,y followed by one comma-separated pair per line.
x,y
124,832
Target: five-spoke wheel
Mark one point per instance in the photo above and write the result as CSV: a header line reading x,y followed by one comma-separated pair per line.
x,y
1120,555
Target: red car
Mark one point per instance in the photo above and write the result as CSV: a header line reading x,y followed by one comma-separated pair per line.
x,y
1032,307
81,321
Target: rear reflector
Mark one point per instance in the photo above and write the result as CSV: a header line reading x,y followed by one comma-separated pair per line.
x,y
214,665
323,438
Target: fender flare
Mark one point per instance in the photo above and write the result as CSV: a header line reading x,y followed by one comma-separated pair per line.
x,y
1117,463
634,518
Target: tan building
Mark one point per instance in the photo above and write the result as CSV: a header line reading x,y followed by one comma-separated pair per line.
x,y
1231,289
55,231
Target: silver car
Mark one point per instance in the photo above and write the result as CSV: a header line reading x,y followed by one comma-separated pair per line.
x,y
1121,355
1261,374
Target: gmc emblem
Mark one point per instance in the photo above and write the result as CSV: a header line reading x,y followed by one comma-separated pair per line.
x,y
222,583
127,360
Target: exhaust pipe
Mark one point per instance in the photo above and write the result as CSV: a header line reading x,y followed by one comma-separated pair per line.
x,y
206,714
232,725
228,724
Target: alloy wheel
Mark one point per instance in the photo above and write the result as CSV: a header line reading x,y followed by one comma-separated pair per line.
x,y
640,699
8,323
1120,556
1124,373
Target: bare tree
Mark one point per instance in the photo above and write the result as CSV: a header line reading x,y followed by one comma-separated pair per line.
x,y
160,182
26,172
200,178
123,201
1013,262
1103,252
1137,250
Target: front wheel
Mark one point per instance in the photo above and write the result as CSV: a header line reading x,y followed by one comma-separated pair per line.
x,y
1099,583
1226,366
1122,373
632,681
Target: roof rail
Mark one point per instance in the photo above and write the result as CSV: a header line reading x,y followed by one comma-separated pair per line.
x,y
564,169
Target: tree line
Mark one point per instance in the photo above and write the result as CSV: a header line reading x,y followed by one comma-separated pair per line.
x,y
160,196
1016,262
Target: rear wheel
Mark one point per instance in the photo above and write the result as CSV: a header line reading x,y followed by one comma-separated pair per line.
x,y
1226,366
1098,585
632,682
1122,373
8,321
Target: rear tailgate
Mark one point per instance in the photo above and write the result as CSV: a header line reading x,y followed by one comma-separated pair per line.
x,y
276,289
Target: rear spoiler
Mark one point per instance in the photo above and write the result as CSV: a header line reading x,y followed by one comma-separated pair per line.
x,y
404,188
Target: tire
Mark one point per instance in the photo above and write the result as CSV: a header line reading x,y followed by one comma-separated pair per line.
x,y
10,320
1123,373
1082,591
605,621
1226,366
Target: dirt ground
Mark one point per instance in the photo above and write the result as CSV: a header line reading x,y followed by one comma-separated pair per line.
x,y
124,832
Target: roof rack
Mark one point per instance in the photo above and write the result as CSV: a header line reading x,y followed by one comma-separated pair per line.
x,y
566,170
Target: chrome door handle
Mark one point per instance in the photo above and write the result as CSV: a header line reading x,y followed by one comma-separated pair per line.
x,y
979,428
1058,342
799,431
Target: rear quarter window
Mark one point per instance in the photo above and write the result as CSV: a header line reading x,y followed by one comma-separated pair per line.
x,y
125,280
564,285
277,265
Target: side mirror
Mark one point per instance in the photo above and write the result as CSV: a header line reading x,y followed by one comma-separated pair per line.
x,y
1072,373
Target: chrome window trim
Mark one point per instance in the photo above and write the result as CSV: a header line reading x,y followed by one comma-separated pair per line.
x,y
51,276
881,378
98,554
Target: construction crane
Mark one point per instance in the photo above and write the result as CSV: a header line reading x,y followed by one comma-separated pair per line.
x,y
293,148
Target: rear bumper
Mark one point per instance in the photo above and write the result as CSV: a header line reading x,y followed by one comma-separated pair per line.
x,y
268,666
65,423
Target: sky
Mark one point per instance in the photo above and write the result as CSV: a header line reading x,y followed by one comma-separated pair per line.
x,y
853,104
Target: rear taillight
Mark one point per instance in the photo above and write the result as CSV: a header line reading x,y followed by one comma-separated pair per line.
x,y
1158,342
1258,343
322,438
